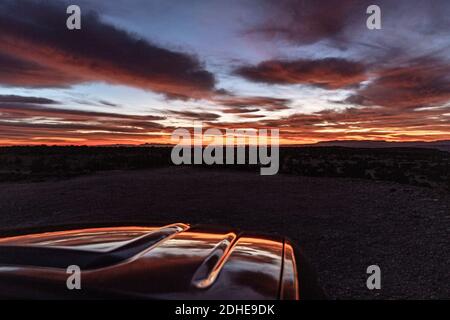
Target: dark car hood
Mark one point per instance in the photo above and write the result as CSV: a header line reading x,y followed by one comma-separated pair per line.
x,y
175,261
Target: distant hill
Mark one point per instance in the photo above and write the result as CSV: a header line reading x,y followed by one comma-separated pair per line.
x,y
443,145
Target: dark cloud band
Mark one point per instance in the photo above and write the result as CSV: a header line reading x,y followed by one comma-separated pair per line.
x,y
48,54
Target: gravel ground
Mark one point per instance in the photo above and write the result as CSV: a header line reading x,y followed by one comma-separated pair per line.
x,y
343,225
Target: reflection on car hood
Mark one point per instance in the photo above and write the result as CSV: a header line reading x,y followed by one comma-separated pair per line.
x,y
175,261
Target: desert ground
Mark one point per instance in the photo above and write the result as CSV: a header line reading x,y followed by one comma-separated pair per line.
x,y
342,224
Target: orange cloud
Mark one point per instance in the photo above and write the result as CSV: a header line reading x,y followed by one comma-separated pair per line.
x,y
329,73
47,54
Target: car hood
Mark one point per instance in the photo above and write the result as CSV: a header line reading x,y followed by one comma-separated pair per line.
x,y
176,261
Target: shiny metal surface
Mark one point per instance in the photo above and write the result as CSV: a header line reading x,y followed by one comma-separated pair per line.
x,y
289,284
192,263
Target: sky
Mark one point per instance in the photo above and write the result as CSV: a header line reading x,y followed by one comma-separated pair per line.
x,y
137,70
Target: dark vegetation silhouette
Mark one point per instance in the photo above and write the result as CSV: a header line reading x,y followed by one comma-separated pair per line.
x,y
415,166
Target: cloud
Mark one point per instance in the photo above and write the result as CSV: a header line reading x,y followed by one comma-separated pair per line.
x,y
33,110
375,119
422,82
239,110
391,97
251,116
31,123
107,103
343,22
362,123
23,73
9,98
328,73
35,33
307,21
243,104
201,116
